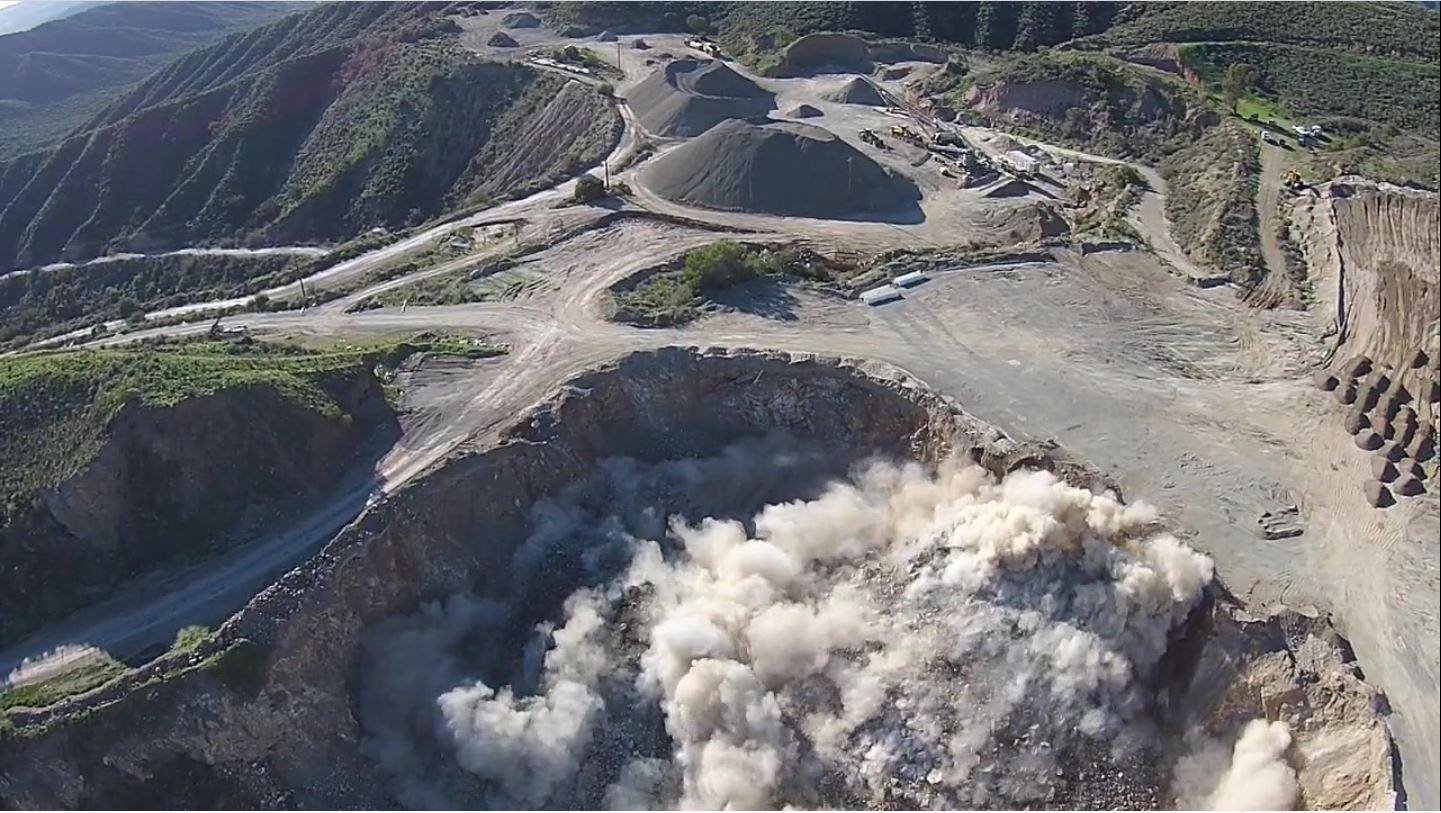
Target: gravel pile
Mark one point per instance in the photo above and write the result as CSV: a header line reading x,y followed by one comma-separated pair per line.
x,y
782,168
688,97
858,90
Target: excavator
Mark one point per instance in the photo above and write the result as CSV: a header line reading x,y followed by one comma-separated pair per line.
x,y
1293,181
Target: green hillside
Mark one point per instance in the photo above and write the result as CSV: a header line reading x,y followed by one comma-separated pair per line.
x,y
315,128
56,75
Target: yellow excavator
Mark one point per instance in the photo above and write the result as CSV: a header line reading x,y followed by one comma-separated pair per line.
x,y
1293,181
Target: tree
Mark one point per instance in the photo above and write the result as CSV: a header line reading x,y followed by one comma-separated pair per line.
x,y
587,188
1240,80
130,309
697,24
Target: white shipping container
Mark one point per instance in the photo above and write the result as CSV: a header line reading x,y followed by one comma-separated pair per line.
x,y
910,280
880,296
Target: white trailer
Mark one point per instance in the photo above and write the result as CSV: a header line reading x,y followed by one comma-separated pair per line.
x,y
910,280
881,295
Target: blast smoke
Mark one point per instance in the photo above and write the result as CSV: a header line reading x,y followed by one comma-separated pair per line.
x,y
1252,775
899,639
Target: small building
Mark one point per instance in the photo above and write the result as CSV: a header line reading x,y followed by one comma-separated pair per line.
x,y
881,295
910,280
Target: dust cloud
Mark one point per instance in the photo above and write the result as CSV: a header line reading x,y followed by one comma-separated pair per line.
x,y
1252,775
897,638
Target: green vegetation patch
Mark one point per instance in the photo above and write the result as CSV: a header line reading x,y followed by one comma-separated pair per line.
x,y
55,408
1093,101
86,674
1314,82
1392,29
50,302
679,293
1212,202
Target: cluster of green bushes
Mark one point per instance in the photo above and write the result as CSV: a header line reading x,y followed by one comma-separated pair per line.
x,y
1313,82
1381,29
43,303
756,31
679,294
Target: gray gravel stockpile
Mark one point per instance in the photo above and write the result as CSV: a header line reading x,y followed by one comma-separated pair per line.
x,y
688,97
803,111
857,91
783,168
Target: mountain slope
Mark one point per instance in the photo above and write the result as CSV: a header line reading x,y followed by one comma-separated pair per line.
x,y
56,74
27,14
314,128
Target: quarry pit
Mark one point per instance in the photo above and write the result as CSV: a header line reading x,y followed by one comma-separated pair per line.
x,y
757,578
736,578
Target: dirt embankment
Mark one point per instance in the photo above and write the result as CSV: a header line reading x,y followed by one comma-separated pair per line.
x,y
1375,256
176,483
310,719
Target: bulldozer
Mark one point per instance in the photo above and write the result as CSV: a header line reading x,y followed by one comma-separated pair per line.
x,y
1293,181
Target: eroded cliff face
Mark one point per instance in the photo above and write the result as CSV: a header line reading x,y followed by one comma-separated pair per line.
x,y
285,709
174,483
1375,254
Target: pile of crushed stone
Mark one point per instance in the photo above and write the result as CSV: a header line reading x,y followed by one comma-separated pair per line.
x,y
782,168
689,96
803,111
857,90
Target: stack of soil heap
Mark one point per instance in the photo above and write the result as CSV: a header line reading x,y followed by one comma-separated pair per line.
x,y
688,97
804,111
784,168
858,90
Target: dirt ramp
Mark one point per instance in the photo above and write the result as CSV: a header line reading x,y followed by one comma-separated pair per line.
x,y
689,96
857,90
783,168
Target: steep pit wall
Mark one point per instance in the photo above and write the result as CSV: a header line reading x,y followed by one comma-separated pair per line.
x,y
178,482
271,713
292,737
1375,257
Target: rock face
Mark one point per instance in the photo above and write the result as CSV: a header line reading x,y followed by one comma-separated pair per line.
x,y
265,715
176,482
1236,667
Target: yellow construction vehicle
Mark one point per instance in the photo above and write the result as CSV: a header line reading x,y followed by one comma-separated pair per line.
x,y
905,133
1293,180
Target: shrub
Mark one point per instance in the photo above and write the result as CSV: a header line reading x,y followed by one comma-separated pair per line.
x,y
719,265
588,188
